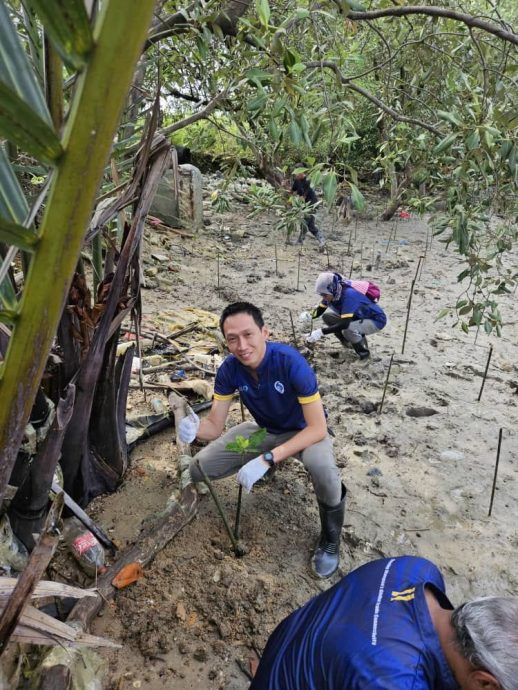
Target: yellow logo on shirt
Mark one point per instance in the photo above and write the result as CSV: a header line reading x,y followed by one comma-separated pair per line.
x,y
405,595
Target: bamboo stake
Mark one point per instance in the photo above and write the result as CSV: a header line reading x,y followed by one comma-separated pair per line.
x,y
352,265
327,252
386,384
485,373
218,270
293,330
496,472
276,262
409,304
298,270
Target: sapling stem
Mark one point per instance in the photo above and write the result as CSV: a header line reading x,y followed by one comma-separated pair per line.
x,y
218,269
218,506
298,270
293,329
276,261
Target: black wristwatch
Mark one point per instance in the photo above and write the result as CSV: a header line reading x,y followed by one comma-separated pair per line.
x,y
268,456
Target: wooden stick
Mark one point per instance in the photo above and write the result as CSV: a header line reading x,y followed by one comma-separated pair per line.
x,y
85,519
218,506
218,270
386,384
327,252
276,261
32,573
298,270
485,373
293,330
496,472
352,265
409,304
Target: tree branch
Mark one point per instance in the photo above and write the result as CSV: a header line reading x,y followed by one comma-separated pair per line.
x,y
369,96
433,11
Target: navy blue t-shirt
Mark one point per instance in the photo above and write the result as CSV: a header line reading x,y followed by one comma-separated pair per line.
x,y
355,305
371,631
285,383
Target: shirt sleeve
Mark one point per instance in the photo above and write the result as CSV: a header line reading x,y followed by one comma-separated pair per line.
x,y
224,385
304,381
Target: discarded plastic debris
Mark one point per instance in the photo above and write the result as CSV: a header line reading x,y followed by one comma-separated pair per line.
x,y
83,546
177,375
128,574
159,406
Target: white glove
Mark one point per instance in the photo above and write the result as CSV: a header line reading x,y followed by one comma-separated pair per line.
x,y
252,472
316,335
188,428
306,320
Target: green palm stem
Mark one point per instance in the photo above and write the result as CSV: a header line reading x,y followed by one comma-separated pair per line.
x,y
87,139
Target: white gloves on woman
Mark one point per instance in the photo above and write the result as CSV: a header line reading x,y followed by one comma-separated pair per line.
x,y
188,428
314,336
252,472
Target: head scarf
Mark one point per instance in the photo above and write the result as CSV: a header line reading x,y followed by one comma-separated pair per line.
x,y
330,284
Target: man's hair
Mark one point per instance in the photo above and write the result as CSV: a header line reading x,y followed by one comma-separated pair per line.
x,y
487,636
241,308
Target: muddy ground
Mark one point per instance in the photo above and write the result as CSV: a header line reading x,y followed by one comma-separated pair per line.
x,y
417,484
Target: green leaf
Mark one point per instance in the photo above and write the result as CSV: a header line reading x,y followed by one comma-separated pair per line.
x,y
67,25
294,132
256,439
25,128
329,185
8,316
13,204
17,235
444,312
449,117
445,143
357,197
263,11
473,140
15,69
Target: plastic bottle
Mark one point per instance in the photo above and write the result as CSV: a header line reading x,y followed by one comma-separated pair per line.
x,y
83,546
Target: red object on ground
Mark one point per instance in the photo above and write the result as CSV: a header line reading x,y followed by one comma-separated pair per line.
x,y
404,214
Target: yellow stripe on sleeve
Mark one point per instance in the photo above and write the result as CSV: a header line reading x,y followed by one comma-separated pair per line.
x,y
218,396
346,316
309,398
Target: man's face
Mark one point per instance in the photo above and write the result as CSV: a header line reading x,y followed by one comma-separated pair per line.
x,y
245,339
327,296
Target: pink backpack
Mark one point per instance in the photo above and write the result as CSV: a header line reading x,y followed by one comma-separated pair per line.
x,y
370,290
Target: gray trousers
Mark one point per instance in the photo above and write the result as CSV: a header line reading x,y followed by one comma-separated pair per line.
x,y
318,459
356,329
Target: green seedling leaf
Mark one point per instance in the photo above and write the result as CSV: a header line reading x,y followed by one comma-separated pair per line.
x,y
238,445
256,439
444,312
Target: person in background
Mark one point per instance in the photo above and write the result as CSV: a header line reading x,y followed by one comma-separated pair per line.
x,y
389,625
302,187
280,390
349,314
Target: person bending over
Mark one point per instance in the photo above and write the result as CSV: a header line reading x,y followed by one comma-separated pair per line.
x,y
349,314
389,625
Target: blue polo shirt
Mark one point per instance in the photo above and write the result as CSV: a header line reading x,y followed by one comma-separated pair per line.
x,y
354,305
285,383
371,631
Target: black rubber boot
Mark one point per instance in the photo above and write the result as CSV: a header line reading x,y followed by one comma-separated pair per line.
x,y
327,554
361,349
